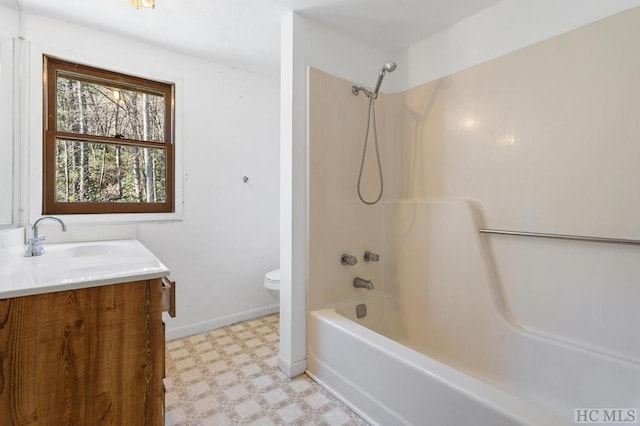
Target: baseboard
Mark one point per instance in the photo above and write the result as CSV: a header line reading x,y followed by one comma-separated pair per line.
x,y
292,369
200,327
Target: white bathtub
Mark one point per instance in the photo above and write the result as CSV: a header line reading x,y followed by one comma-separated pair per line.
x,y
388,383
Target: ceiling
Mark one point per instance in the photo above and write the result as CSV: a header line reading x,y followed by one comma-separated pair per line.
x,y
246,33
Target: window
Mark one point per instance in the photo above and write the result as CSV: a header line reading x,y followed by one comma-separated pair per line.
x,y
108,142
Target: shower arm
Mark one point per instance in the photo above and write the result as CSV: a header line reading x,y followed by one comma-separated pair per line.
x,y
357,89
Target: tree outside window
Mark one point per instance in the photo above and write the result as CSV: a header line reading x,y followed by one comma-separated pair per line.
x,y
108,141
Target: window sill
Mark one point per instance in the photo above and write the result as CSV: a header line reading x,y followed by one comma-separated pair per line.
x,y
119,218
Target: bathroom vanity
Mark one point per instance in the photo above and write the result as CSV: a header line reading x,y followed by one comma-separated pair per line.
x,y
81,335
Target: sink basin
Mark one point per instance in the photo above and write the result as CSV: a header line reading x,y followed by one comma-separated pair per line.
x,y
87,251
76,265
59,251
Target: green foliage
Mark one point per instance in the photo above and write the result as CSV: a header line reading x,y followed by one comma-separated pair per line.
x,y
88,171
111,174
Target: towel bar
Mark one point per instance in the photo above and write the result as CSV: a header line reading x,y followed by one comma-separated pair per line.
x,y
561,237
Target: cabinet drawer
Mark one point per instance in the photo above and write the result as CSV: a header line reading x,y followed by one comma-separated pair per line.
x,y
169,296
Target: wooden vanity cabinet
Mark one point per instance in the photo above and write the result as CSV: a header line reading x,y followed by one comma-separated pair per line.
x,y
93,356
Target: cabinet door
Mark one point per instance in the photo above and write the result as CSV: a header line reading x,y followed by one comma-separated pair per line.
x,y
86,357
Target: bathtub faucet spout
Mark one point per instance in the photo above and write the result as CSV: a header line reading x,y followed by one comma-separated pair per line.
x,y
362,283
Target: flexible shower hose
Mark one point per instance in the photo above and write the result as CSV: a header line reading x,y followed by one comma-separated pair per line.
x,y
371,118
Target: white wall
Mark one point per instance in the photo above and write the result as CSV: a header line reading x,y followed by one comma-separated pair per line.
x,y
9,27
8,23
508,26
226,128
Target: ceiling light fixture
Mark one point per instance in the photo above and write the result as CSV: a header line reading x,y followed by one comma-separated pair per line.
x,y
151,4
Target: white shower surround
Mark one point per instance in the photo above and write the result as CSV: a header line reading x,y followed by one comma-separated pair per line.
x,y
462,46
549,322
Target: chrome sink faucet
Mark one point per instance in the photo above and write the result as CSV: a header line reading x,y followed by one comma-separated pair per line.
x,y
34,244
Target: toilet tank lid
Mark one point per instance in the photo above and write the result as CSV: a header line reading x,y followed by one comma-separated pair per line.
x,y
273,276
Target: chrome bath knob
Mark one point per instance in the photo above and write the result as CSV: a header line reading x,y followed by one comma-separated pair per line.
x,y
371,257
348,259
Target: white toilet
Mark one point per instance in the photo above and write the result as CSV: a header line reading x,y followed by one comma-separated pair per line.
x,y
272,283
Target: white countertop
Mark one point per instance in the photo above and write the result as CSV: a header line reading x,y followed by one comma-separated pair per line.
x,y
73,266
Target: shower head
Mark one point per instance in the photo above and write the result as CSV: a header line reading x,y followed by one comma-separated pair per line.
x,y
388,67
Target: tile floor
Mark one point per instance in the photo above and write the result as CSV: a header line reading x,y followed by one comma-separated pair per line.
x,y
230,377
